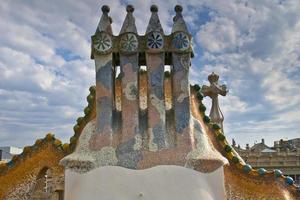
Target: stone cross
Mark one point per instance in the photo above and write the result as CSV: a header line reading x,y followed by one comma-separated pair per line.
x,y
213,91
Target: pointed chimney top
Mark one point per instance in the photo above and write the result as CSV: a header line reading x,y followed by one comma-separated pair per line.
x,y
129,22
154,22
179,23
105,21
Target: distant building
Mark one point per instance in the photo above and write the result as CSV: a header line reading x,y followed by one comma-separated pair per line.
x,y
284,155
6,153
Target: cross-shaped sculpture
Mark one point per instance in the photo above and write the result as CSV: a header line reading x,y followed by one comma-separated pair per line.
x,y
213,91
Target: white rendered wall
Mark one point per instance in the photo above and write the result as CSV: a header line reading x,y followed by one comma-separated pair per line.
x,y
157,183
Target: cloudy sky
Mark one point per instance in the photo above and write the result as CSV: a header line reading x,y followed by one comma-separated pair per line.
x,y
45,69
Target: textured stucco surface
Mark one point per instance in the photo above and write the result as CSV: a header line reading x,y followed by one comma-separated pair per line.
x,y
159,183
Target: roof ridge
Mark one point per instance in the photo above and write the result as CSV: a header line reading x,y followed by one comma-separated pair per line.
x,y
66,148
233,156
31,150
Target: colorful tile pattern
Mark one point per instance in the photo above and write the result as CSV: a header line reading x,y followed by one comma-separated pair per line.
x,y
181,41
181,92
104,101
155,40
128,152
103,42
156,102
129,42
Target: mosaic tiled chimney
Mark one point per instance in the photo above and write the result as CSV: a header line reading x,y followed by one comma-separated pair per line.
x,y
129,51
102,43
155,57
159,131
181,56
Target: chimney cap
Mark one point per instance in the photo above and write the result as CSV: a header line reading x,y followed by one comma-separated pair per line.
x,y
130,8
105,9
154,8
178,8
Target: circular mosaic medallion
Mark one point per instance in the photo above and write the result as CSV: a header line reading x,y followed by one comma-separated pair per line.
x,y
181,41
103,42
129,42
155,40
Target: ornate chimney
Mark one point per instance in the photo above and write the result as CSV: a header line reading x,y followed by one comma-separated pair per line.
x,y
129,51
135,137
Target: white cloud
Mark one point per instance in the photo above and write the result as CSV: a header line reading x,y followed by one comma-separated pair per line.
x,y
253,46
218,35
19,71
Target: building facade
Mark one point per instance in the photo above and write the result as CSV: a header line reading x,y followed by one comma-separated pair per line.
x,y
6,153
284,155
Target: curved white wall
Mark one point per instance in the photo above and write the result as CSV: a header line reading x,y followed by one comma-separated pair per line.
x,y
158,183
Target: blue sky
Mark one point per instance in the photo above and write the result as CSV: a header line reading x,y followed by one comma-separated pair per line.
x,y
45,66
